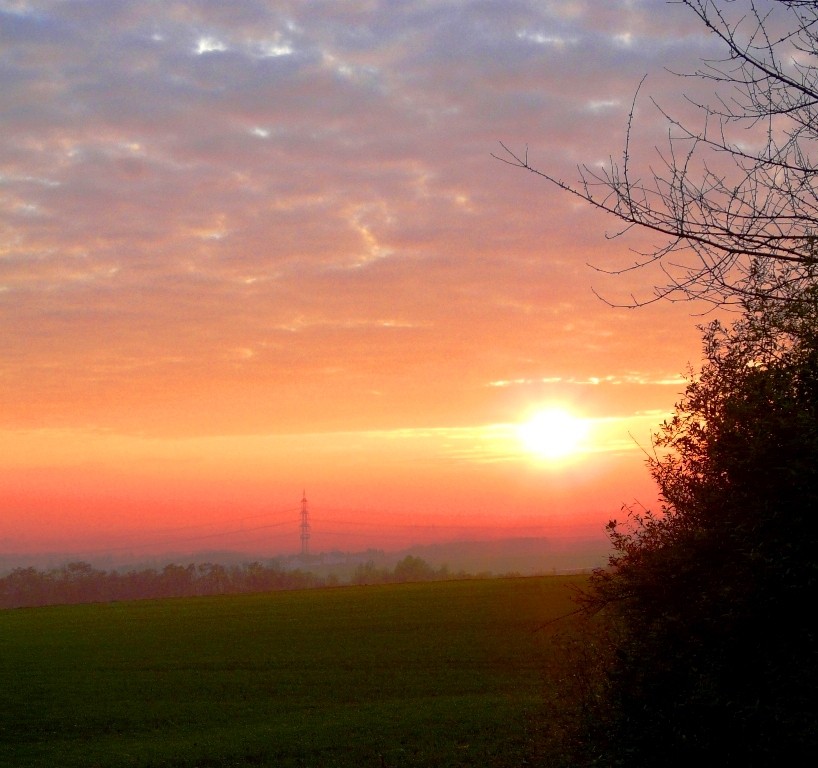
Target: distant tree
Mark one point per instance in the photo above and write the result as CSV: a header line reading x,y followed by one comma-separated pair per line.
x,y
26,587
707,604
734,200
254,577
177,580
369,573
412,568
79,582
212,579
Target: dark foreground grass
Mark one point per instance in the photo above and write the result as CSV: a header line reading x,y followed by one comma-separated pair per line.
x,y
442,674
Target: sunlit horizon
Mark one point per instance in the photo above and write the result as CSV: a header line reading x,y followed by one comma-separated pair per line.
x,y
244,253
215,485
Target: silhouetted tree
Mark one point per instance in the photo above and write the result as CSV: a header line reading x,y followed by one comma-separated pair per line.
x,y
707,604
702,621
734,200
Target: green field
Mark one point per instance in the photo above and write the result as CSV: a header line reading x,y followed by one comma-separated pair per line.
x,y
436,674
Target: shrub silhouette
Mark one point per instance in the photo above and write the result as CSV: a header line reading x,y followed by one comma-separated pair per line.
x,y
706,604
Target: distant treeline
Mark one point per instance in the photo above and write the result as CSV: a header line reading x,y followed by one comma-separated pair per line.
x,y
79,582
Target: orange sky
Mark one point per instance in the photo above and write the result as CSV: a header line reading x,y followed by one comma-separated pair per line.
x,y
247,249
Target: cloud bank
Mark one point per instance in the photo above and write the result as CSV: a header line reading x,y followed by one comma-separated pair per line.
x,y
247,217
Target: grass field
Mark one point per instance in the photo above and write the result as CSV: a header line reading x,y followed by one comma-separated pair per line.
x,y
436,674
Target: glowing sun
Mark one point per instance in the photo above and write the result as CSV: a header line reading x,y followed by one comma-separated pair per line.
x,y
553,433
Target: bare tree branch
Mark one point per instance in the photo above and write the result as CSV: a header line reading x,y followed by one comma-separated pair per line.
x,y
745,217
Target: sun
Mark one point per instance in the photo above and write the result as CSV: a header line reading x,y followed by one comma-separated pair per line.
x,y
553,433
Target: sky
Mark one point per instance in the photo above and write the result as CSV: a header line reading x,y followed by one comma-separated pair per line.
x,y
252,249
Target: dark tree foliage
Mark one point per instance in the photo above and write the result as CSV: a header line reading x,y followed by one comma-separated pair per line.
x,y
701,628
708,604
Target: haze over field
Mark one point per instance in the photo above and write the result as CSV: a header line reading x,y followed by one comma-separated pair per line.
x,y
249,248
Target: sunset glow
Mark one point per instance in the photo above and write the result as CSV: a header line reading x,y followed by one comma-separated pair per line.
x,y
553,433
250,250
